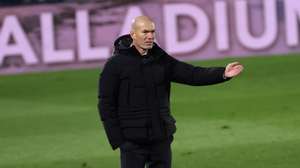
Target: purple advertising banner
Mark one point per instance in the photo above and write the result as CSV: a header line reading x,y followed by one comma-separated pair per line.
x,y
70,35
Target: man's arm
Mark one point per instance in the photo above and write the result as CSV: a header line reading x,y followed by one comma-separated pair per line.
x,y
185,73
107,103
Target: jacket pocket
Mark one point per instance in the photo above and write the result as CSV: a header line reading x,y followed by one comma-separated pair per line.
x,y
169,125
134,129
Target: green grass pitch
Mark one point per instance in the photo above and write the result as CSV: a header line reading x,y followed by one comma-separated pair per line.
x,y
50,120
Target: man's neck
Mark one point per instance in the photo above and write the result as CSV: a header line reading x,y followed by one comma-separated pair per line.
x,y
142,51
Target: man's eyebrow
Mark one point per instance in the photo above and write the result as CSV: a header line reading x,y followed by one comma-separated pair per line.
x,y
153,30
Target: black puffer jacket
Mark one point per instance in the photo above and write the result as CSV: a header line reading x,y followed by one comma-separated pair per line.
x,y
134,92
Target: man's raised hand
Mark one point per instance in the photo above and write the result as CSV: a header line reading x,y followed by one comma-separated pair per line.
x,y
233,69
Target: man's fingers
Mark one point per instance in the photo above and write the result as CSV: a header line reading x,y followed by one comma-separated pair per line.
x,y
233,69
234,64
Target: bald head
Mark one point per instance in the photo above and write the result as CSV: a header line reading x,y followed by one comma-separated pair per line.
x,y
141,21
143,33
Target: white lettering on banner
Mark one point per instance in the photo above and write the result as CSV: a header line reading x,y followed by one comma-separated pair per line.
x,y
171,13
50,55
221,25
132,12
242,23
292,17
86,52
21,46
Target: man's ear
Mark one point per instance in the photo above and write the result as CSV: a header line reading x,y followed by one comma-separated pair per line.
x,y
132,34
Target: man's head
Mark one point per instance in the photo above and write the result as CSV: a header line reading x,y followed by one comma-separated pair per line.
x,y
143,33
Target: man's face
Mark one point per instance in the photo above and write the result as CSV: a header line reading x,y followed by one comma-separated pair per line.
x,y
144,35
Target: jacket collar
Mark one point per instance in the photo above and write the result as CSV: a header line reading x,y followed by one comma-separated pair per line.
x,y
122,46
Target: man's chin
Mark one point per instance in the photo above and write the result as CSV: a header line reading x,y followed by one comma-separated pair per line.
x,y
147,47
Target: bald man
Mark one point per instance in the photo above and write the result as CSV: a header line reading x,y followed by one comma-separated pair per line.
x,y
134,92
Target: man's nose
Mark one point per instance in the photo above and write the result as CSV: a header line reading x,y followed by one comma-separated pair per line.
x,y
150,36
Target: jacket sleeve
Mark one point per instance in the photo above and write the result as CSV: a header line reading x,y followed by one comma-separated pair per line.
x,y
107,103
185,73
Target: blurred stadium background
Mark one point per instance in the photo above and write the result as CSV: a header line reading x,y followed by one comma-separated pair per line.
x,y
48,96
